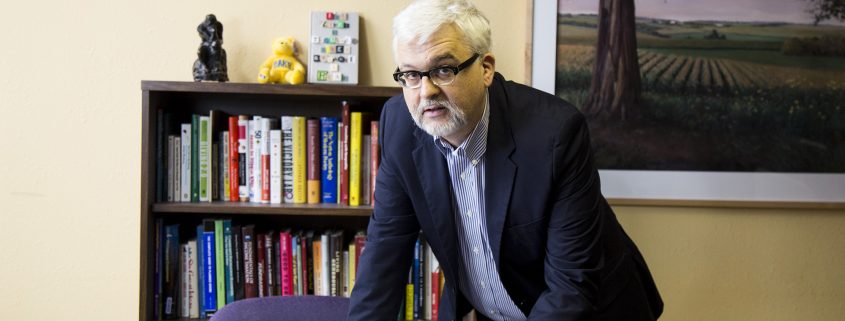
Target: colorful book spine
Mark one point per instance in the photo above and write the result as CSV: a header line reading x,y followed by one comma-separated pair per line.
x,y
195,158
286,263
228,261
299,160
185,179
234,173
365,170
355,159
243,159
312,134
223,173
317,262
344,154
287,159
219,263
375,159
200,272
409,296
264,145
209,253
329,159
250,273
204,160
255,159
260,264
275,166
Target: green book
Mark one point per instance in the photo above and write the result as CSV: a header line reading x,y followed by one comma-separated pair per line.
x,y
195,167
219,263
204,160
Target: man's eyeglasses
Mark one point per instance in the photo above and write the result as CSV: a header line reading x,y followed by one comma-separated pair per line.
x,y
440,76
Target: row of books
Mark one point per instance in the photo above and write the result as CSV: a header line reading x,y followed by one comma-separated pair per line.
x,y
289,159
197,275
220,262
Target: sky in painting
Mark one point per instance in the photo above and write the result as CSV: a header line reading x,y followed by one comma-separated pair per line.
x,y
793,11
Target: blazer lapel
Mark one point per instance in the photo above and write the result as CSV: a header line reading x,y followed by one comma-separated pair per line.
x,y
500,169
436,187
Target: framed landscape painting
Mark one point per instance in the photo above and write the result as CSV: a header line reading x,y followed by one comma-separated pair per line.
x,y
724,100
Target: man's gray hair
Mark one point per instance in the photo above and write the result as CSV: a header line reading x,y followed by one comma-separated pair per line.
x,y
423,18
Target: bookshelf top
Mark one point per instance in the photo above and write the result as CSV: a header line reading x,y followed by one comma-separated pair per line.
x,y
252,88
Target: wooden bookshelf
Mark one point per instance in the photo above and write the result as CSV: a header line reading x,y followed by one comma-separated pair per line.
x,y
181,99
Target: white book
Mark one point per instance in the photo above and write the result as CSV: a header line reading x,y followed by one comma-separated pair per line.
x,y
276,166
365,169
243,158
325,261
193,279
426,270
205,160
184,281
185,179
287,158
345,275
255,160
264,161
170,165
177,169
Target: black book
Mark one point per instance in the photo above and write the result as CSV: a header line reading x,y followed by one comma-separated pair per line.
x,y
238,262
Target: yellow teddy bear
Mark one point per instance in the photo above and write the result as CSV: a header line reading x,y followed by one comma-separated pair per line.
x,y
282,67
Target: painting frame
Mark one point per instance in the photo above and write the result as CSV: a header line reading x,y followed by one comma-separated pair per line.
x,y
684,188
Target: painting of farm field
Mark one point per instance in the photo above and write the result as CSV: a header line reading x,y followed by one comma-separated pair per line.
x,y
718,85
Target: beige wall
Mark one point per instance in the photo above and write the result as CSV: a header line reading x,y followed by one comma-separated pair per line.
x,y
70,166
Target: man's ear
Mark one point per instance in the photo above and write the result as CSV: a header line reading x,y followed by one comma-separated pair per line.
x,y
488,62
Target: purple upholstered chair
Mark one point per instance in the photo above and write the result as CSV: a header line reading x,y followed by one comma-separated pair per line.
x,y
285,308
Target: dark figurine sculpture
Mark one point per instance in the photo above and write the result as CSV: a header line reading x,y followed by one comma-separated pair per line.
x,y
211,58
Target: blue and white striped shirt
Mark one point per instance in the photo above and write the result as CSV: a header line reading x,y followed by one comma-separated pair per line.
x,y
479,277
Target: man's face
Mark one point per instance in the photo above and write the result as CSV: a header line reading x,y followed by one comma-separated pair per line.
x,y
448,111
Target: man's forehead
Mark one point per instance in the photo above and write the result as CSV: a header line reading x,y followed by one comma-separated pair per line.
x,y
415,59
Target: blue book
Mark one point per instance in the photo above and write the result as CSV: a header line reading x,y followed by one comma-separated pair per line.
x,y
329,139
416,280
228,261
200,272
208,251
172,280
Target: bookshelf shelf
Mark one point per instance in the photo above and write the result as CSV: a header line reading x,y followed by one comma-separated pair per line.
x,y
180,100
267,209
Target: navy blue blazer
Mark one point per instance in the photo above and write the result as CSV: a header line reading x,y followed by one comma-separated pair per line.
x,y
560,251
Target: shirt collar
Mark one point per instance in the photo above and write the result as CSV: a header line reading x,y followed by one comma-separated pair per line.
x,y
476,144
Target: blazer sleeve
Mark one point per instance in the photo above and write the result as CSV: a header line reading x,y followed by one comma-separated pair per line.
x,y
393,229
574,254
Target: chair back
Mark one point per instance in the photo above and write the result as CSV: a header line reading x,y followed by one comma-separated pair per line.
x,y
285,308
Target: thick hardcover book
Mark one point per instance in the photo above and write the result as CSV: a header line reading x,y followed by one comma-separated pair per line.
x,y
185,177
243,158
209,255
344,154
267,125
229,261
287,159
434,267
250,273
312,134
299,160
234,178
220,263
238,262
355,136
260,264
195,158
286,263
171,271
336,239
189,280
275,166
328,155
204,160
375,158
409,296
365,169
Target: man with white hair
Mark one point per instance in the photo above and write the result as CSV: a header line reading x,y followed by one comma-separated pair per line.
x,y
500,179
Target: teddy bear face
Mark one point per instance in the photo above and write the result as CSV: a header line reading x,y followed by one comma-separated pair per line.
x,y
284,47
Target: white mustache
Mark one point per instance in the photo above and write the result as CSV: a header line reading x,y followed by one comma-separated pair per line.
x,y
425,104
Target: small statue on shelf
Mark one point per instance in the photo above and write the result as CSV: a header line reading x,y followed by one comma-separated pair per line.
x,y
211,58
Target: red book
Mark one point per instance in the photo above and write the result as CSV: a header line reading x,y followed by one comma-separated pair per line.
x,y
344,156
375,149
261,262
360,240
303,258
233,158
312,136
285,263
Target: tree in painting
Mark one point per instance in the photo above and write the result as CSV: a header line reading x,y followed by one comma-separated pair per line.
x,y
826,10
615,86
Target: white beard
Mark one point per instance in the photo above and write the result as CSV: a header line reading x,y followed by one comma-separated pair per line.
x,y
456,118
